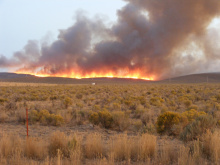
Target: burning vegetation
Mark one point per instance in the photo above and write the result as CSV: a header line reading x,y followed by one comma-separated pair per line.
x,y
150,40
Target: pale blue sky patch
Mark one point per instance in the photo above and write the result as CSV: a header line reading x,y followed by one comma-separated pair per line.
x,y
23,20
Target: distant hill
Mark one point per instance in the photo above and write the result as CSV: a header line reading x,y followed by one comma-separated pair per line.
x,y
25,78
6,75
195,78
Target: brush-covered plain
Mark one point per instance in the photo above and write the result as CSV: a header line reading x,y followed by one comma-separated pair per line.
x,y
110,124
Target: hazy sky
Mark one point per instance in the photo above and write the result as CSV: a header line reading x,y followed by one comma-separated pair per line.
x,y
23,20
173,43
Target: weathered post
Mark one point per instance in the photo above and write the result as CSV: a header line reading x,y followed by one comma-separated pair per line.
x,y
27,120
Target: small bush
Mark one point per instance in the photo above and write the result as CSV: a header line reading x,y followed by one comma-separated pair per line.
x,y
2,100
147,117
120,120
94,118
45,117
166,121
194,107
34,116
53,98
3,117
116,106
198,127
156,101
187,103
55,120
67,102
79,96
218,123
102,117
11,105
105,119
192,114
137,125
21,116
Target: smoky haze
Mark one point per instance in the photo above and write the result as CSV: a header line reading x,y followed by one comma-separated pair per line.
x,y
159,38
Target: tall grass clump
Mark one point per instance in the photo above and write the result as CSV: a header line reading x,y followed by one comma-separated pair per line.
x,y
211,146
35,148
94,146
143,147
139,148
10,145
120,147
198,127
59,141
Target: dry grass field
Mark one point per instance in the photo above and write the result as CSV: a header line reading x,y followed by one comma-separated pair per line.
x,y
110,124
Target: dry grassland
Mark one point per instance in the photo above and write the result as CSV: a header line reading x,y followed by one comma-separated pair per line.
x,y
110,124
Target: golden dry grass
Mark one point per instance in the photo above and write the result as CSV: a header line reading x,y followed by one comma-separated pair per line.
x,y
94,146
120,149
6,84
124,134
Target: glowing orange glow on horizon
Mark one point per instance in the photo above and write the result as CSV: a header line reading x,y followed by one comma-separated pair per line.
x,y
133,75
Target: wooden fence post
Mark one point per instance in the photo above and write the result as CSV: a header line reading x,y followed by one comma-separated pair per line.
x,y
27,120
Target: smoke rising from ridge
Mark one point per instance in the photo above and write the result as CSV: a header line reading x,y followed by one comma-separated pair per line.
x,y
154,38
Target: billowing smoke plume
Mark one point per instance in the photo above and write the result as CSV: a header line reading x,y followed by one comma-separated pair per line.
x,y
156,38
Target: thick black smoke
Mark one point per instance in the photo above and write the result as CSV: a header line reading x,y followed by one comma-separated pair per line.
x,y
155,37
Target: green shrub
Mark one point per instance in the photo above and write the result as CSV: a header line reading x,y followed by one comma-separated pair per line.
x,y
149,128
2,100
120,120
44,117
94,118
105,119
194,107
55,120
192,114
3,117
137,125
218,123
156,101
166,121
118,116
79,96
96,107
198,127
34,116
11,105
128,102
116,106
67,102
187,103
18,98
139,113
53,98
147,117
102,117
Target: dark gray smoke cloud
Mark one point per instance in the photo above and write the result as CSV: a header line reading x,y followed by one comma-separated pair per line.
x,y
153,43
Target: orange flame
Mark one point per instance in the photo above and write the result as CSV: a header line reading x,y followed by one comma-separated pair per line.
x,y
78,75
